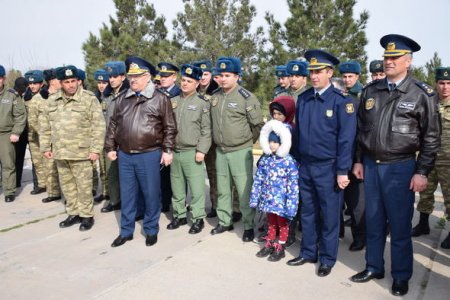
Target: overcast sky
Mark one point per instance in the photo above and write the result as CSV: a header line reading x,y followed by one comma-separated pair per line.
x,y
49,33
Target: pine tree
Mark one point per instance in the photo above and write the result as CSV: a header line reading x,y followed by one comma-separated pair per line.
x,y
430,68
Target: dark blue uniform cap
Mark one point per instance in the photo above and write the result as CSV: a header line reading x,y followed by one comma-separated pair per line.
x,y
167,69
101,75
319,59
228,64
191,71
376,66
34,76
297,67
280,71
350,67
398,45
115,68
81,75
2,71
63,73
137,66
49,74
442,73
205,65
214,71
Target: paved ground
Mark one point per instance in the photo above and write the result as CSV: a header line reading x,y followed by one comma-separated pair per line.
x,y
41,261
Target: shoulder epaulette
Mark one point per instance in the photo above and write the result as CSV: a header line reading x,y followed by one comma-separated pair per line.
x,y
246,94
428,89
165,92
13,91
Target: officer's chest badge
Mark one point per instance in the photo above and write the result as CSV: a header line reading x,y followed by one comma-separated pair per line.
x,y
370,103
214,101
174,104
349,108
329,113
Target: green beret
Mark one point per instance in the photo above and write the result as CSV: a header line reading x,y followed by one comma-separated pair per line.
x,y
443,73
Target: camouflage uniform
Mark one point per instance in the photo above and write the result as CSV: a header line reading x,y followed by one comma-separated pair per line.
x,y
441,172
12,121
33,139
72,128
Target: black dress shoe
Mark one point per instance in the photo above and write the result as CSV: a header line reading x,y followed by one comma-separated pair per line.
x,y
236,216
50,199
10,198
150,240
86,223
399,287
38,190
221,229
197,226
120,240
176,223
357,246
365,276
100,198
420,229
212,214
324,270
248,235
71,220
298,261
110,208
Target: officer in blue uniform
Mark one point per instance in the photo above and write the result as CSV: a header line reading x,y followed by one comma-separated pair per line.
x,y
168,77
398,117
326,128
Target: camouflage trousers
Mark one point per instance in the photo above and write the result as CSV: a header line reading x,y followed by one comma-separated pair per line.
x,y
440,174
210,162
75,177
52,180
38,162
103,174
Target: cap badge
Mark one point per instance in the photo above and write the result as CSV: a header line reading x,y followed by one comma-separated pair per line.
x,y
31,79
109,69
189,71
445,73
313,60
223,65
203,66
378,65
390,46
134,67
163,68
100,77
68,72
295,68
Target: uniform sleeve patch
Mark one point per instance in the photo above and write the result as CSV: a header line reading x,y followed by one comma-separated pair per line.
x,y
244,93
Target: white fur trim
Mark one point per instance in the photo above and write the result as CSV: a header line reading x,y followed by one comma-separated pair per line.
x,y
282,131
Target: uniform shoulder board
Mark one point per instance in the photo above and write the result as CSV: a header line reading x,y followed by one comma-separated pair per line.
x,y
428,89
165,92
13,91
246,94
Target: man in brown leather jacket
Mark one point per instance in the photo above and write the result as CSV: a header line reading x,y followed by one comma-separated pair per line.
x,y
141,134
398,117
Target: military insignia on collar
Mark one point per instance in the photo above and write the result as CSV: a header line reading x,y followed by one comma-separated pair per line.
x,y
390,46
349,108
100,77
163,68
214,101
189,71
174,104
68,72
329,113
370,103
313,60
295,68
223,66
202,66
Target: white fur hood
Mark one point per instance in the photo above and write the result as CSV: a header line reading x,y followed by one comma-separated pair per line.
x,y
282,131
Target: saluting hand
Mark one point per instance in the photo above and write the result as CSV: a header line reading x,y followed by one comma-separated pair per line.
x,y
418,183
112,155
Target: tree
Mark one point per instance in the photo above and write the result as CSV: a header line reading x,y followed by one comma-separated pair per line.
x,y
11,77
430,68
326,24
208,29
137,30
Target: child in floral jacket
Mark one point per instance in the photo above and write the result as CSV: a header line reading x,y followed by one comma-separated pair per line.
x,y
275,188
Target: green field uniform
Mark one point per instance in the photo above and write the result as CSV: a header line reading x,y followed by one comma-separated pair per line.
x,y
12,121
237,121
441,172
72,128
194,135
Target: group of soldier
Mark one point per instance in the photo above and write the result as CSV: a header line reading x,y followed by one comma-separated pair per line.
x,y
153,139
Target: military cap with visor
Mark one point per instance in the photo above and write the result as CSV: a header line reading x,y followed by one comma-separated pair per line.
x,y
166,69
398,45
319,59
137,66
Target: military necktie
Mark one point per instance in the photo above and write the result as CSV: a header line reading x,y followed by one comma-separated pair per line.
x,y
392,86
